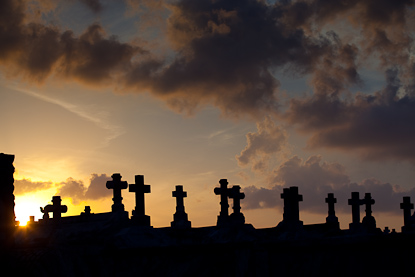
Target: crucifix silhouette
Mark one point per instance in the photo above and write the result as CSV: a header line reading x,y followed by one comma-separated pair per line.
x,y
406,206
139,217
330,200
117,185
223,191
180,217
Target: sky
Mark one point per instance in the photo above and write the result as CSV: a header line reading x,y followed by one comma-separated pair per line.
x,y
267,94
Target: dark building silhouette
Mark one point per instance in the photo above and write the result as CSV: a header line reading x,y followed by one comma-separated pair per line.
x,y
7,217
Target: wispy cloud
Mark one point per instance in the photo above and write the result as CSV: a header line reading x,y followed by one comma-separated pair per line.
x,y
100,118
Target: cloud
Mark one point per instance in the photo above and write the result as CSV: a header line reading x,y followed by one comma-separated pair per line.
x,y
37,51
269,140
379,126
230,54
315,178
77,191
23,186
93,5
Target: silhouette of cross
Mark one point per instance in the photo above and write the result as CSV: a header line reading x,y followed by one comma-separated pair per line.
x,y
179,194
330,200
236,194
223,191
368,201
140,189
355,202
58,209
117,185
406,206
291,201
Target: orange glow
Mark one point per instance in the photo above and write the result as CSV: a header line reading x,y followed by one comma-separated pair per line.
x,y
29,205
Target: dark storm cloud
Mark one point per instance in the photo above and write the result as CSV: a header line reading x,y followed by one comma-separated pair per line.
x,y
228,53
94,5
315,179
77,191
380,126
37,51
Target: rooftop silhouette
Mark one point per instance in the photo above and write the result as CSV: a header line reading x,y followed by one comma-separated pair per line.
x,y
113,243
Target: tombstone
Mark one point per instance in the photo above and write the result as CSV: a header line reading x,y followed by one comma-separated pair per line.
x,y
330,200
223,191
139,217
117,185
369,221
87,211
180,217
7,217
291,215
56,209
406,206
236,217
355,202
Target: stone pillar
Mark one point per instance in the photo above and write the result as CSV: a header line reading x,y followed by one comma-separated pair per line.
x,y
7,217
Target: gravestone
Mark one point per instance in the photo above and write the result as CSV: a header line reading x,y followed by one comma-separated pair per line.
x,y
117,185
139,217
236,217
87,211
330,200
291,214
406,206
355,202
223,191
56,209
7,217
180,217
369,221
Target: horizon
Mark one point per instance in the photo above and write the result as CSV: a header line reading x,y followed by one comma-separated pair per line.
x,y
265,94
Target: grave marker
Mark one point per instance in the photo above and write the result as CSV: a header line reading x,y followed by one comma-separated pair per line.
x,y
139,216
406,206
180,217
223,191
235,193
117,185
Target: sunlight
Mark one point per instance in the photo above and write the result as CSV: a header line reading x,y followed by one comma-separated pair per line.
x,y
29,205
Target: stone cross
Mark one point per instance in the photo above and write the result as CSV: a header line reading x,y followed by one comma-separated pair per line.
x,y
140,189
330,200
56,209
117,185
180,217
407,206
223,191
236,194
180,195
369,221
291,204
355,202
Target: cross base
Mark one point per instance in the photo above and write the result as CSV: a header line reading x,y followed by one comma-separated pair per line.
x,y
237,219
355,227
290,225
181,221
332,219
369,222
140,220
117,208
222,220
